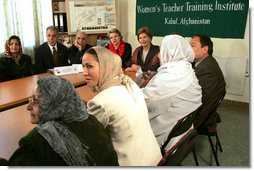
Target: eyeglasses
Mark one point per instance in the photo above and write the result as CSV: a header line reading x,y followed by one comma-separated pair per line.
x,y
32,100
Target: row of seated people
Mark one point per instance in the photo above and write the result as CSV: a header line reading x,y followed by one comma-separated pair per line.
x,y
140,121
51,54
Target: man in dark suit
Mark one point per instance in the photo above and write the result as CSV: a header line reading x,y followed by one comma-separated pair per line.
x,y
51,53
77,50
210,78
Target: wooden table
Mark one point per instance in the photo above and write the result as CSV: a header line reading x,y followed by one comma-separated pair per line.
x,y
16,92
15,123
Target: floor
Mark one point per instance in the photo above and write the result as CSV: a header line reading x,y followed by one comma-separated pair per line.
x,y
234,135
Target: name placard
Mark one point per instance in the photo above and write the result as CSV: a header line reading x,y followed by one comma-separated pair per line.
x,y
79,66
66,70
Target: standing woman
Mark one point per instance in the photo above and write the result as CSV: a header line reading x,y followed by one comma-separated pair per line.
x,y
146,55
119,47
14,64
120,107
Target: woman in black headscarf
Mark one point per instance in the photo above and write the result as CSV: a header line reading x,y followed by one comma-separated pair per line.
x,y
65,133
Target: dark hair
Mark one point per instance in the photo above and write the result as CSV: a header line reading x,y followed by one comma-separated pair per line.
x,y
7,46
205,41
146,31
92,52
114,30
52,28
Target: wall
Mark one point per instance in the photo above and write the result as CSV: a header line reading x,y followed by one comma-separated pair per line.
x,y
222,47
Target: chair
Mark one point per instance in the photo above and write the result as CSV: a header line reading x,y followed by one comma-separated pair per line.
x,y
176,154
212,131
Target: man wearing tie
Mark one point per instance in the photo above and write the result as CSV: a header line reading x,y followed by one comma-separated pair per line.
x,y
50,54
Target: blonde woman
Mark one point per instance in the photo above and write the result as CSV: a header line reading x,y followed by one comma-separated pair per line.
x,y
120,47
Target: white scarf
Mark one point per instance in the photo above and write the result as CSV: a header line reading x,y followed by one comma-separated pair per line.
x,y
175,73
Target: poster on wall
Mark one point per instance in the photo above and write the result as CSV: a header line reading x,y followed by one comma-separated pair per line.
x,y
215,18
92,15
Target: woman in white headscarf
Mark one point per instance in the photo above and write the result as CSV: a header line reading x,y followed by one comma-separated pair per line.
x,y
121,108
174,91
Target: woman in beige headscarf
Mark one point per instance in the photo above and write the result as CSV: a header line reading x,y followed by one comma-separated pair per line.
x,y
120,107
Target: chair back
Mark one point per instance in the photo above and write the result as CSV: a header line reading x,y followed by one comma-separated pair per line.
x,y
175,155
182,125
215,106
220,99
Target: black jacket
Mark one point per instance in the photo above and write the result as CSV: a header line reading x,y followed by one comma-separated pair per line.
x,y
34,150
212,82
44,57
9,70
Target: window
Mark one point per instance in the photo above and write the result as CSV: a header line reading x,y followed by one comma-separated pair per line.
x,y
27,19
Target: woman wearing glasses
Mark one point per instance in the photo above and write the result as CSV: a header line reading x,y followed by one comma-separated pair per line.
x,y
65,133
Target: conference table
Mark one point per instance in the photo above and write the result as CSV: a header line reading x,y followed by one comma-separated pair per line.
x,y
16,92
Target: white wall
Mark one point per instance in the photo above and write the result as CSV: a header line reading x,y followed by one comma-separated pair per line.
x,y
222,47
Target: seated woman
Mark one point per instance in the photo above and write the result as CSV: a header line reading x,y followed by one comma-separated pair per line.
x,y
65,133
174,91
146,55
14,64
120,107
119,47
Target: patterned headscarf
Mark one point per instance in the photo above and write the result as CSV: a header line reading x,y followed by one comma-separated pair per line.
x,y
59,103
8,54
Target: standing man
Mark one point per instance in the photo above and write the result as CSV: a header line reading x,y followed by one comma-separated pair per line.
x,y
77,50
210,78
51,53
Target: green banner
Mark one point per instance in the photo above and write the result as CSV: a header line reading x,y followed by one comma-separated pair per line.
x,y
214,18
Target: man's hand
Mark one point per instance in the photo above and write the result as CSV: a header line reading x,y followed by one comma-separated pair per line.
x,y
78,46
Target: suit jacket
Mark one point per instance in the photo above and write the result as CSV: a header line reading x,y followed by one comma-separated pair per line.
x,y
212,82
147,65
75,56
44,57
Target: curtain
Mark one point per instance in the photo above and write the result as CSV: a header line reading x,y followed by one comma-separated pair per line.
x,y
27,19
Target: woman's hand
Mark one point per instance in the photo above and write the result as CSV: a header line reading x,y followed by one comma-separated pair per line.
x,y
155,60
135,67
